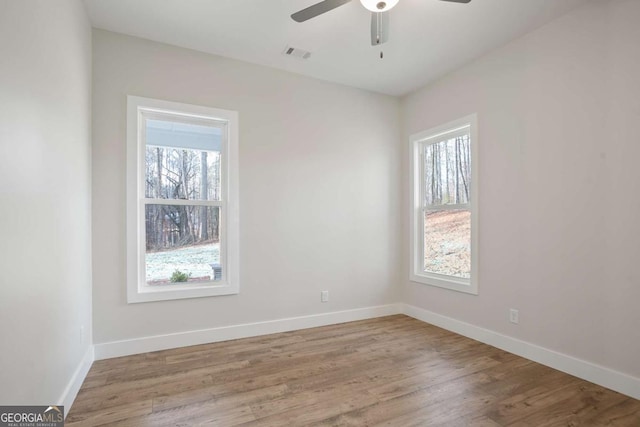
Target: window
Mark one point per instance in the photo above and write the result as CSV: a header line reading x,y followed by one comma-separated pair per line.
x,y
444,201
182,201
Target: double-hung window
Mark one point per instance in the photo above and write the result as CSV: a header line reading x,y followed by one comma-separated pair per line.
x,y
444,206
182,201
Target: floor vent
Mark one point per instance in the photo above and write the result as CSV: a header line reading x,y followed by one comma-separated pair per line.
x,y
296,53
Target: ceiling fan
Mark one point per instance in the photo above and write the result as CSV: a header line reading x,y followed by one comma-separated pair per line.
x,y
379,14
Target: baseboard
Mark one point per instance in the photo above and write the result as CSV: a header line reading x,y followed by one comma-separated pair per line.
x,y
182,339
594,373
71,391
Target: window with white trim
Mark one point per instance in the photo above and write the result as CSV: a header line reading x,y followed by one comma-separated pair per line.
x,y
182,201
444,206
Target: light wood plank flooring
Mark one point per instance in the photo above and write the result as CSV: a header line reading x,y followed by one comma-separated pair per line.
x,y
393,371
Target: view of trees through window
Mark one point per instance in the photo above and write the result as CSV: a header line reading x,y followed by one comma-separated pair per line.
x,y
447,215
182,239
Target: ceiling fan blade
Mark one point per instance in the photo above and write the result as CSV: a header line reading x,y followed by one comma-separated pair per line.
x,y
458,1
317,9
379,28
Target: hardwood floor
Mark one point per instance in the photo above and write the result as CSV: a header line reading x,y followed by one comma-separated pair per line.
x,y
393,371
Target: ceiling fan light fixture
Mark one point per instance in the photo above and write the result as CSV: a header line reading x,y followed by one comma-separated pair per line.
x,y
379,5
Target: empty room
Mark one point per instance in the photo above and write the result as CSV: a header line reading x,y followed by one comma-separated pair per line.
x,y
319,212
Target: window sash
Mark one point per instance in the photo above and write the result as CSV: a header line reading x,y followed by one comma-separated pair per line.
x,y
187,119
439,276
437,139
222,245
443,278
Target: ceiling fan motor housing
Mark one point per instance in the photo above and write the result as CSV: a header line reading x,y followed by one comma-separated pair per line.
x,y
379,5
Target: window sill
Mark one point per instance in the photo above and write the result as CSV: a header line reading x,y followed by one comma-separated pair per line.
x,y
174,292
459,285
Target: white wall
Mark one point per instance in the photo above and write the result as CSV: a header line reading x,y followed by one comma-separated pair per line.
x,y
558,113
45,200
319,179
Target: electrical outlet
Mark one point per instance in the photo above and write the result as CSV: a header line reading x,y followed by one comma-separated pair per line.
x,y
514,316
82,335
324,296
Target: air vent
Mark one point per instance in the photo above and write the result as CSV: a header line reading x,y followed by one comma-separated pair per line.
x,y
294,52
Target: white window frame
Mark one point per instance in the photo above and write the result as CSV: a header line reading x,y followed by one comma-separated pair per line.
x,y
418,141
137,288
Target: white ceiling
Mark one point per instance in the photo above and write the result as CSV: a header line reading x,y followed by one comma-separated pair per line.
x,y
427,38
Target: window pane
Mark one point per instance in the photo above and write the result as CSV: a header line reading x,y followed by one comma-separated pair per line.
x,y
176,173
182,244
447,243
447,171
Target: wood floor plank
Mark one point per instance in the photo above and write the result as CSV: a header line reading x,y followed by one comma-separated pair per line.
x,y
408,407
105,416
586,400
111,395
623,414
202,413
391,371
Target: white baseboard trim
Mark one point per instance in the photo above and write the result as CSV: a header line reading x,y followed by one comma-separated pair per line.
x,y
592,372
71,390
182,339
